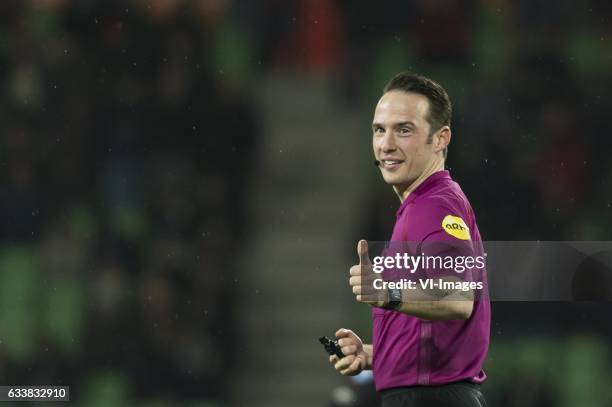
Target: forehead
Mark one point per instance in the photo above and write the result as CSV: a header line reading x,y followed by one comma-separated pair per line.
x,y
400,106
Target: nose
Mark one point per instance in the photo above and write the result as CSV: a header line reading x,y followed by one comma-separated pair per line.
x,y
387,143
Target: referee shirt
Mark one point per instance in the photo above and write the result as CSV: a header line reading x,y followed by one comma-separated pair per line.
x,y
409,351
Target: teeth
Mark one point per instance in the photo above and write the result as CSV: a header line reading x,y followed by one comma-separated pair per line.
x,y
391,162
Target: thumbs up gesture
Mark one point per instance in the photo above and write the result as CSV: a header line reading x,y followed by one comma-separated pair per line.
x,y
362,279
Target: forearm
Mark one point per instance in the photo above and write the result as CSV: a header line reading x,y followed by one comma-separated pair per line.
x,y
438,310
437,305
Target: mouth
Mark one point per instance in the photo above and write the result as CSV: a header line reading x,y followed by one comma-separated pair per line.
x,y
391,164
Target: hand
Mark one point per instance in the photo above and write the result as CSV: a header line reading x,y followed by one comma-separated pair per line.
x,y
362,279
356,358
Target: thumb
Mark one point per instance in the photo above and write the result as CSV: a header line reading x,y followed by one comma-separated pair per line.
x,y
362,251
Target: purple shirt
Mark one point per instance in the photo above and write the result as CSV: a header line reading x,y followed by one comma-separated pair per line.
x,y
409,351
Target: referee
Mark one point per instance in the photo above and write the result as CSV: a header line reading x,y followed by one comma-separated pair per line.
x,y
428,347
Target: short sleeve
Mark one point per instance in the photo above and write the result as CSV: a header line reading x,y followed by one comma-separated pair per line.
x,y
439,230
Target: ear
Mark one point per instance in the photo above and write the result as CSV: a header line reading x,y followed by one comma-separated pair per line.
x,y
442,139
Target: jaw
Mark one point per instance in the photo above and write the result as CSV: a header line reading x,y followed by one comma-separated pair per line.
x,y
403,183
398,175
399,182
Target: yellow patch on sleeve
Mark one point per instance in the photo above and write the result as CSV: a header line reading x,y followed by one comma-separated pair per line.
x,y
456,227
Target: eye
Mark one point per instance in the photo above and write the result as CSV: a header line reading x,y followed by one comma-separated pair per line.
x,y
378,130
405,131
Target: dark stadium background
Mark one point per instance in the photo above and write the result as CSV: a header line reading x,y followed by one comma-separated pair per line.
x,y
184,182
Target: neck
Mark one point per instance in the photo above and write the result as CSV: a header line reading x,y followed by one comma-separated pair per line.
x,y
435,165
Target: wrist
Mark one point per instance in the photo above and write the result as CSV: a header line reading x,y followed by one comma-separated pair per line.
x,y
394,299
368,350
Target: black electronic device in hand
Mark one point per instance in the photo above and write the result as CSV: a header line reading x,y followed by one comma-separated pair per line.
x,y
331,346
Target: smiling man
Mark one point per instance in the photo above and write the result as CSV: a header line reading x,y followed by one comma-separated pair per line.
x,y
428,346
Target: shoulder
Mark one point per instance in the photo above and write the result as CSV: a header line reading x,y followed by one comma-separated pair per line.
x,y
450,198
445,213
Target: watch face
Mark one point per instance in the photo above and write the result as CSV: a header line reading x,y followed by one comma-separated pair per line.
x,y
395,295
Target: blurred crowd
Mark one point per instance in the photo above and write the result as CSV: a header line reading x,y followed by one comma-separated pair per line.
x,y
123,198
129,131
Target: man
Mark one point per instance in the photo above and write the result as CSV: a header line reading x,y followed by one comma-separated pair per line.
x,y
428,345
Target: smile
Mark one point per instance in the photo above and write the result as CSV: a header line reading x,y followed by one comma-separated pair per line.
x,y
391,164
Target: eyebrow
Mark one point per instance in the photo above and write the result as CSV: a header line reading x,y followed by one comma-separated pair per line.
x,y
400,124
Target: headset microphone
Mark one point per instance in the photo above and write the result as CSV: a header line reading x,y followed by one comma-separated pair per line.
x,y
376,163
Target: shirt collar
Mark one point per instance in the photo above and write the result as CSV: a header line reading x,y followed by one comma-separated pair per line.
x,y
425,186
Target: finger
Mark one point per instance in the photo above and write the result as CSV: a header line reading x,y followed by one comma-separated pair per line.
x,y
355,365
356,289
366,296
349,349
365,280
362,252
365,272
352,369
369,290
368,299
333,359
368,282
343,333
347,372
344,363
345,342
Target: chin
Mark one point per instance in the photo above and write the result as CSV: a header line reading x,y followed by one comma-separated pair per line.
x,y
398,183
394,180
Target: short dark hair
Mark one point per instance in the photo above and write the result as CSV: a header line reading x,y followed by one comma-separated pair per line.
x,y
440,107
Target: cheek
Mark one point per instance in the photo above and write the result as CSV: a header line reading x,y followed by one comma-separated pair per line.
x,y
414,149
414,156
410,149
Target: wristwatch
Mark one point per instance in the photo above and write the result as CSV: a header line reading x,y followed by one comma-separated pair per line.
x,y
395,299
